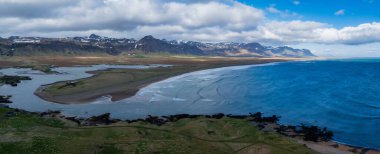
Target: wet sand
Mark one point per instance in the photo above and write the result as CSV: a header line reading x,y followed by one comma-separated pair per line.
x,y
123,83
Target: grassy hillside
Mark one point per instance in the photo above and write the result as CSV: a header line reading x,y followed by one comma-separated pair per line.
x,y
22,132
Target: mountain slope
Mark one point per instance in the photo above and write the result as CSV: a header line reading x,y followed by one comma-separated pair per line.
x,y
95,44
149,44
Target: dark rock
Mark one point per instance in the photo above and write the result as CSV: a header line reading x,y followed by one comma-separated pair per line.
x,y
103,119
5,99
155,120
259,118
272,119
309,133
216,116
52,113
211,132
261,126
237,116
313,133
136,120
74,119
174,118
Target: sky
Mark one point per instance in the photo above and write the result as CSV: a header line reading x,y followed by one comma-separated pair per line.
x,y
333,28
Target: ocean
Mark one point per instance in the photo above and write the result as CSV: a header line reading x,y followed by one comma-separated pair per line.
x,y
342,95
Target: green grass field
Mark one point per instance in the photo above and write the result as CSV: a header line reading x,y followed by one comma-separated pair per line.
x,y
30,133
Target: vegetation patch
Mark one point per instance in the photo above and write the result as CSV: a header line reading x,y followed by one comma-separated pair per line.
x,y
185,134
12,80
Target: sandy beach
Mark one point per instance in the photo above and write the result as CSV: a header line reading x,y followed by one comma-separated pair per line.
x,y
126,82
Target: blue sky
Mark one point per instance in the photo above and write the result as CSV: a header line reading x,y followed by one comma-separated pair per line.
x,y
336,13
355,11
343,28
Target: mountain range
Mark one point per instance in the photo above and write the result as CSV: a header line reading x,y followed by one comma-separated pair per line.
x,y
94,44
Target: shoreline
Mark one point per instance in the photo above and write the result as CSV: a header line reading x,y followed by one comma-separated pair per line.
x,y
332,144
264,124
125,89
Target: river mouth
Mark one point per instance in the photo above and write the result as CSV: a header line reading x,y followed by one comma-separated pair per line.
x,y
340,95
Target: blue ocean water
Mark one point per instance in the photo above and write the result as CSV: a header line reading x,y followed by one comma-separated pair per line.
x,y
342,95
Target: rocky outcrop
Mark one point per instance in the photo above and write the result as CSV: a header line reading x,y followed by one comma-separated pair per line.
x,y
5,99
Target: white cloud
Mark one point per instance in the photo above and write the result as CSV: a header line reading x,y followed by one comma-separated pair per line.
x,y
363,33
285,14
315,32
341,50
340,12
30,1
199,20
291,32
273,9
123,15
296,2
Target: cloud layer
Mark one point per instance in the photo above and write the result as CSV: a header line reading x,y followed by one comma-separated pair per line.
x,y
201,20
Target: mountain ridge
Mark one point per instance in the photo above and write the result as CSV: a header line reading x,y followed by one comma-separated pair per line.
x,y
15,45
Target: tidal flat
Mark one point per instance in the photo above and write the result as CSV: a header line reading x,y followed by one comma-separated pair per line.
x,y
122,83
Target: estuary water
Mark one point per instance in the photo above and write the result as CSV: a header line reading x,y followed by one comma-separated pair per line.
x,y
342,95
